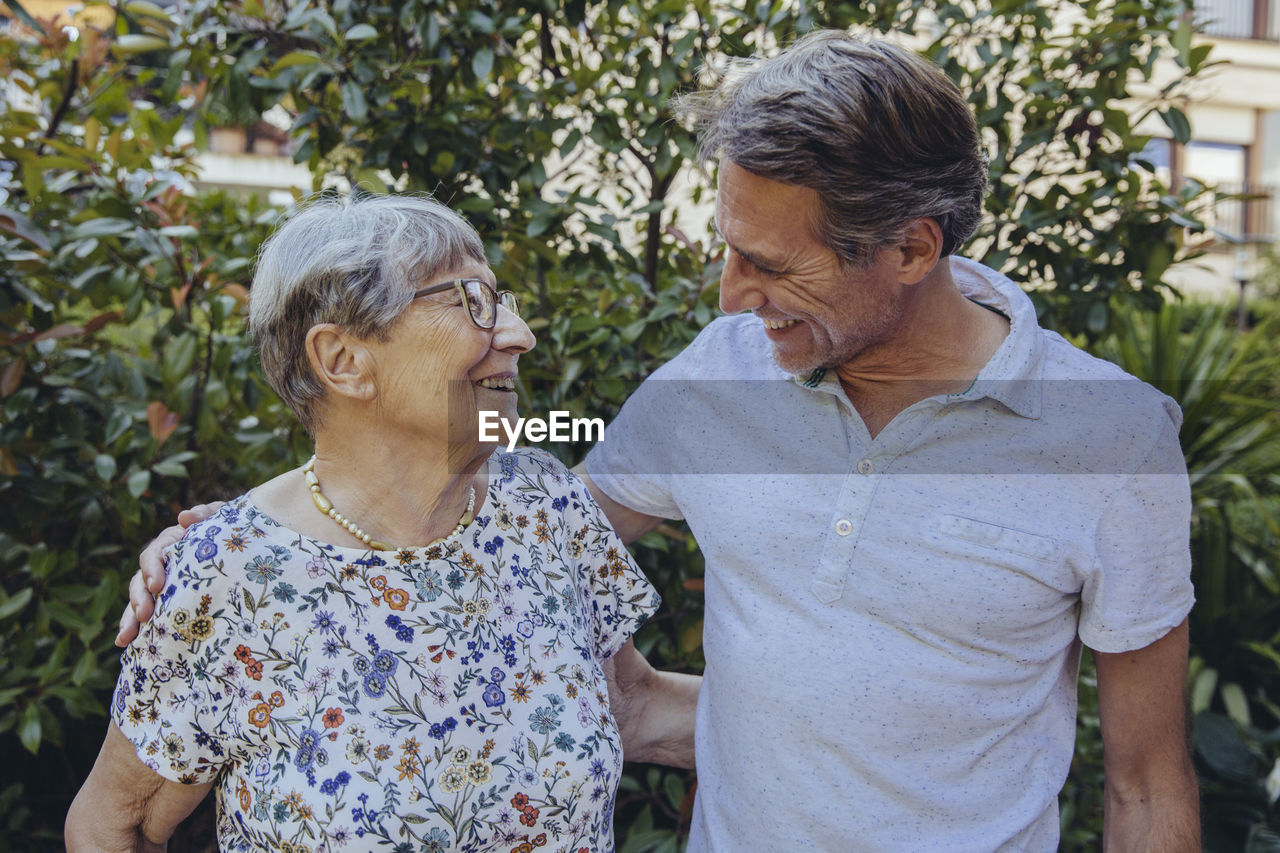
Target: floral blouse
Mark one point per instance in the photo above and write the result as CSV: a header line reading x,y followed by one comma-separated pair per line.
x,y
446,698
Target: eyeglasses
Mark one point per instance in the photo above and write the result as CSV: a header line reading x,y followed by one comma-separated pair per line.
x,y
481,300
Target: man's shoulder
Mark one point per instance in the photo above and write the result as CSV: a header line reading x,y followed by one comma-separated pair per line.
x,y
1088,389
732,347
1065,360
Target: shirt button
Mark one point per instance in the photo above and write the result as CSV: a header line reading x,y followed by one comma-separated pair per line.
x,y
844,527
865,467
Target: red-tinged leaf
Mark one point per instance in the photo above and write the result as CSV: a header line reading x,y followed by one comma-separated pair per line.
x,y
11,376
8,466
162,421
12,222
179,295
62,330
101,320
681,237
238,291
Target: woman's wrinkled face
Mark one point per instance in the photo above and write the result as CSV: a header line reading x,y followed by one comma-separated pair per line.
x,y
437,371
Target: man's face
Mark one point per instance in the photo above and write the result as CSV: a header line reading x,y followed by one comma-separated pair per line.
x,y
816,313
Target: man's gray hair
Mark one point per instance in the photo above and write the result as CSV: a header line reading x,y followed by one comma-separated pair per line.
x,y
354,262
876,130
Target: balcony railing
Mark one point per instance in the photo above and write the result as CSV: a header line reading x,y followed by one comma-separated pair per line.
x,y
1241,19
1251,216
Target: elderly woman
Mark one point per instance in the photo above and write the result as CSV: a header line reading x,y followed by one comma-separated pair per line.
x,y
403,643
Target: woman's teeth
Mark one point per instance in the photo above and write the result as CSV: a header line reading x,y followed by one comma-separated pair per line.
x,y
499,383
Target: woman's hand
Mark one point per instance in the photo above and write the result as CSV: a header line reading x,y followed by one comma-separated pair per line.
x,y
125,805
148,581
654,709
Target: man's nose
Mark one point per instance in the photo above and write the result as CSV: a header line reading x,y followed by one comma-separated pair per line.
x,y
739,289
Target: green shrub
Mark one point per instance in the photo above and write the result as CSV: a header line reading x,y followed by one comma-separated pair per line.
x,y
1225,383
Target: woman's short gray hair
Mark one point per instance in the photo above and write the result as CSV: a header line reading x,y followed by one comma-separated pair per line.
x,y
354,262
876,130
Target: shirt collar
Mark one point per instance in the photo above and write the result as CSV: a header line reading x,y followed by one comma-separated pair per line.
x,y
1012,375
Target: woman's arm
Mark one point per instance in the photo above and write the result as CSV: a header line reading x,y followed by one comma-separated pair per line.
x,y
654,709
124,805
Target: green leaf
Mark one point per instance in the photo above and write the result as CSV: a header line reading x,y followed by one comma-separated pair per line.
x,y
138,482
1218,742
353,101
30,730
170,468
105,226
84,667
133,44
12,222
1176,120
105,465
1182,42
361,32
145,9
1236,704
182,232
294,59
1206,682
482,63
15,603
179,358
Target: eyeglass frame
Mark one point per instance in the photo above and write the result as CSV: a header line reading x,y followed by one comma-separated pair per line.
x,y
505,298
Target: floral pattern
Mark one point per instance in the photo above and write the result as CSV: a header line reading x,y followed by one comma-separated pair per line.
x,y
446,698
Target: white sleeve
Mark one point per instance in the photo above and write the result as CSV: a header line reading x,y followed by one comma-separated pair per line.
x,y
1139,585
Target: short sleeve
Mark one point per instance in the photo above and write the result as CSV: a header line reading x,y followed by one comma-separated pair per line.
x,y
167,698
1139,586
620,597
632,462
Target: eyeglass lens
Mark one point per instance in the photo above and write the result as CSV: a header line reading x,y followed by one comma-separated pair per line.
x,y
482,304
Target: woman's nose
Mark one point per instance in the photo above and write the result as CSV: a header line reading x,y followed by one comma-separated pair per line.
x,y
511,332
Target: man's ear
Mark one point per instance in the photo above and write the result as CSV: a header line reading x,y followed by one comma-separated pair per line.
x,y
921,247
340,361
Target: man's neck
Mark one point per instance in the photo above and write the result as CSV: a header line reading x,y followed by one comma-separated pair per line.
x,y
940,346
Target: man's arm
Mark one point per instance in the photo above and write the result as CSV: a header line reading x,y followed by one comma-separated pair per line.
x,y
148,581
125,805
627,523
1152,801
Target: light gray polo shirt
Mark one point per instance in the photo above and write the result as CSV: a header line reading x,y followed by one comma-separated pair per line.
x,y
893,627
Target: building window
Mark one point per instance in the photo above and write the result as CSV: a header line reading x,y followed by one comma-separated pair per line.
x,y
1225,167
1240,19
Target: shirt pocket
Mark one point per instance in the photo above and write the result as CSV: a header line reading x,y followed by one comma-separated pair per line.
x,y
975,584
1001,539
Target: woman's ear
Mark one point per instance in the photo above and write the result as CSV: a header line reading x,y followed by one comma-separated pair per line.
x,y
921,247
340,362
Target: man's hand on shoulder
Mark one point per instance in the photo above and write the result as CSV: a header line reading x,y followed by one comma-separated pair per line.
x,y
148,581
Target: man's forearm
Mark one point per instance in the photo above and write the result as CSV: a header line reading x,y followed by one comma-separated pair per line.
x,y
1159,821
